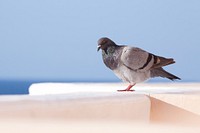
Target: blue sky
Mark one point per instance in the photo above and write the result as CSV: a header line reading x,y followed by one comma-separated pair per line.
x,y
57,39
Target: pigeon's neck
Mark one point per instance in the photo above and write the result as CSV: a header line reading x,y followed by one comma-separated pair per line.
x,y
111,57
109,51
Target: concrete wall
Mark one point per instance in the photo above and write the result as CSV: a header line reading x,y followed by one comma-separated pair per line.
x,y
151,108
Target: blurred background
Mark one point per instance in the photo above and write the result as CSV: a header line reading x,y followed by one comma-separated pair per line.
x,y
56,41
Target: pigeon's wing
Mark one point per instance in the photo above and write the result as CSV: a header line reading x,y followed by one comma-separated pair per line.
x,y
136,58
140,60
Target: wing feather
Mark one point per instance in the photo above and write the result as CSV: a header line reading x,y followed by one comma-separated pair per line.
x,y
136,59
140,60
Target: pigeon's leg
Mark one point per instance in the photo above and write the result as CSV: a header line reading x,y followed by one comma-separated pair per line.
x,y
128,88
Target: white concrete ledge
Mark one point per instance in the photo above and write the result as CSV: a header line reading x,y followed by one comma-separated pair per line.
x,y
180,99
78,106
98,105
65,88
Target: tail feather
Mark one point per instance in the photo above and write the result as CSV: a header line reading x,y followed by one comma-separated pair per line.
x,y
161,61
160,72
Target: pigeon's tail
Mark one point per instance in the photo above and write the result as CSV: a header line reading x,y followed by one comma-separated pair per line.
x,y
160,72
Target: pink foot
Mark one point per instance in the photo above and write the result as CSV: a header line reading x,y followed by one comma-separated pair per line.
x,y
127,89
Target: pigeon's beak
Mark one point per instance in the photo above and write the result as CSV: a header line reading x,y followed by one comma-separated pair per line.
x,y
98,47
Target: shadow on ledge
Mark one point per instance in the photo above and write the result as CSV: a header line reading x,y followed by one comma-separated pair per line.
x,y
164,113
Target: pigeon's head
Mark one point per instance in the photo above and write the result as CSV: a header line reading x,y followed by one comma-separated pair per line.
x,y
104,43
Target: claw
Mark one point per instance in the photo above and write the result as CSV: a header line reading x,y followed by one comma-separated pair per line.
x,y
125,90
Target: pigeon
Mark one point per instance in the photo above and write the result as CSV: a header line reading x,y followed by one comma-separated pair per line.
x,y
132,64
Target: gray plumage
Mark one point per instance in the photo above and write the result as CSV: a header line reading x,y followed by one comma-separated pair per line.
x,y
132,64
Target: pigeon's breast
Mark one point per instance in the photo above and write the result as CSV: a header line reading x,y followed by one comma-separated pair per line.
x,y
111,60
128,75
